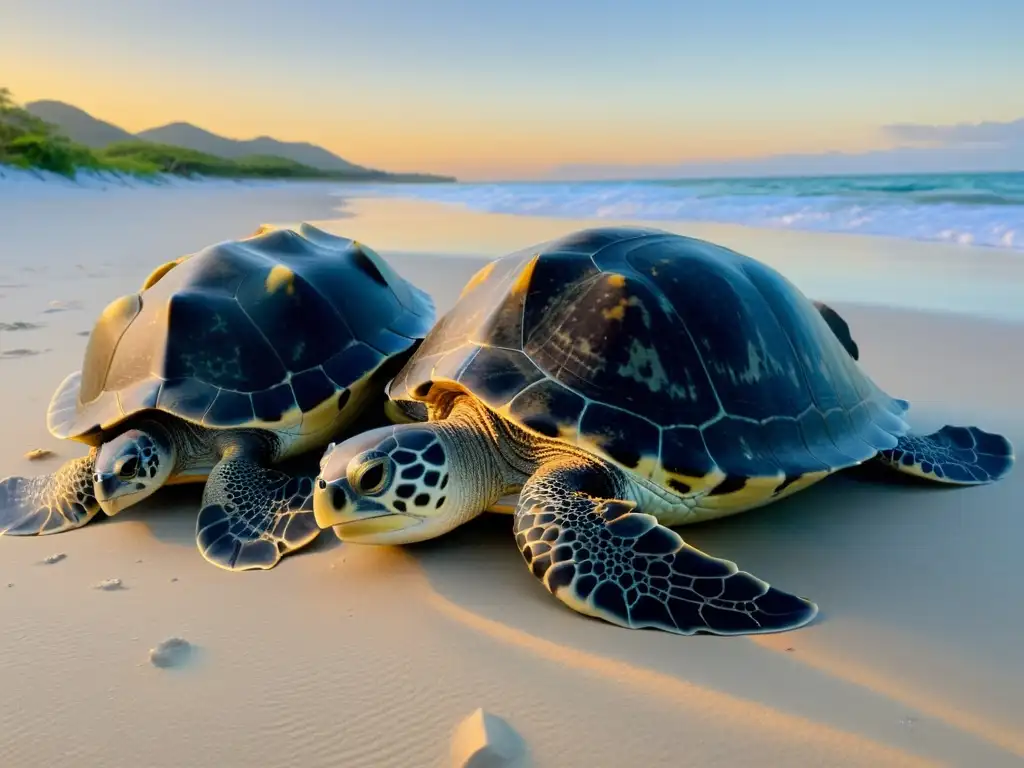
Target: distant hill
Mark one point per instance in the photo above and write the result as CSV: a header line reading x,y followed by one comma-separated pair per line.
x,y
188,135
78,124
83,128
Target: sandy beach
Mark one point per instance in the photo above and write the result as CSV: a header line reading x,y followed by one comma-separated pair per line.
x,y
371,656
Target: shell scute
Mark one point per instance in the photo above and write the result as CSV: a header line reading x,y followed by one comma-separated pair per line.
x,y
548,407
496,375
740,448
214,341
311,388
684,454
786,440
270,405
621,435
352,363
115,319
189,397
230,409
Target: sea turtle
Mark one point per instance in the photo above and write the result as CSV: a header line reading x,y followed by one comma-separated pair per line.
x,y
226,362
625,381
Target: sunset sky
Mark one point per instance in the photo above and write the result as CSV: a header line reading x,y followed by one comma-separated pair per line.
x,y
514,88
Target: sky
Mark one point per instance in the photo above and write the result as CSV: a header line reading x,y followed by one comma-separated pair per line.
x,y
502,89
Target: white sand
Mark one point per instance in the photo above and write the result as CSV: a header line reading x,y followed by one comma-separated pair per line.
x,y
361,656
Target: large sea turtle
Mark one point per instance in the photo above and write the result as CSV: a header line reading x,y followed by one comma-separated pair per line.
x,y
226,362
628,380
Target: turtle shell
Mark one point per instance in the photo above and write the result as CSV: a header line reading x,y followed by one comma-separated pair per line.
x,y
254,332
684,361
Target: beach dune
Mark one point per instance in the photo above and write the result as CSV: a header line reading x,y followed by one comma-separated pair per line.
x,y
371,656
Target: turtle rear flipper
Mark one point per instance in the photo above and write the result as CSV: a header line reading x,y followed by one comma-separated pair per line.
x,y
604,558
839,327
953,455
253,516
33,506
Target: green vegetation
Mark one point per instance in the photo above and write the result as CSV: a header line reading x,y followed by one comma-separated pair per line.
x,y
27,141
164,158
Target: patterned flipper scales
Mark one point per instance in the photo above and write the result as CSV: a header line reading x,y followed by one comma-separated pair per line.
x,y
605,559
34,506
253,516
954,455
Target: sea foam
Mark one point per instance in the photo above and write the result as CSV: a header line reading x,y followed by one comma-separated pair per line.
x,y
970,209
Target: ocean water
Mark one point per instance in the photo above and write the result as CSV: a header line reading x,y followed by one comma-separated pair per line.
x,y
984,209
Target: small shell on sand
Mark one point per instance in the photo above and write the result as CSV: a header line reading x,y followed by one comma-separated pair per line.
x,y
484,740
55,558
172,652
39,453
109,585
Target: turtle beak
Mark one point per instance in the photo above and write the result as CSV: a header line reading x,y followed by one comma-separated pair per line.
x,y
112,493
335,506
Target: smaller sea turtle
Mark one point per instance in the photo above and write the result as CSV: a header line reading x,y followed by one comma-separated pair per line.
x,y
629,380
226,362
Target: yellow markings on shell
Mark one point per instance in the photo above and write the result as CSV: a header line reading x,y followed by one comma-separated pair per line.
x,y
616,281
126,306
647,466
756,492
262,229
645,367
280,277
482,274
696,483
522,282
618,312
804,482
159,272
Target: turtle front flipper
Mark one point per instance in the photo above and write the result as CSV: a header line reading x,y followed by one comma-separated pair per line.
x,y
34,506
604,558
953,455
253,516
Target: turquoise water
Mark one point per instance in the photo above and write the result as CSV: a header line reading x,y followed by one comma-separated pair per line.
x,y
985,209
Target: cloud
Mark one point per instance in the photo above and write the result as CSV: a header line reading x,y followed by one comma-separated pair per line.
x,y
961,134
964,147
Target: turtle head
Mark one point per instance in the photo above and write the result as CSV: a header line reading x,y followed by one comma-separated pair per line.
x,y
132,466
392,485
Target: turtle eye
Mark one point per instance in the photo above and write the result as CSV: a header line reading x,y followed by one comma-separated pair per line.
x,y
372,477
128,469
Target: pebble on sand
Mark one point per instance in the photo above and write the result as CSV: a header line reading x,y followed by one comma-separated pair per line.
x,y
484,740
55,558
109,585
39,453
172,652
